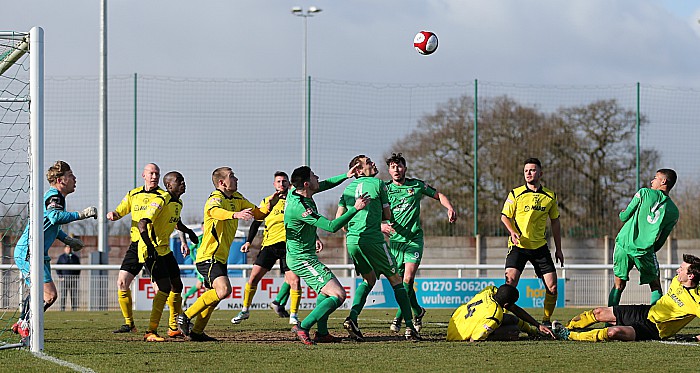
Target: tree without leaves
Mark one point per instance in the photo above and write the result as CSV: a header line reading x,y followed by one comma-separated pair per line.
x,y
588,155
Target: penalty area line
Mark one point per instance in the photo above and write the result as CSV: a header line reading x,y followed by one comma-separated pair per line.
x,y
679,343
64,363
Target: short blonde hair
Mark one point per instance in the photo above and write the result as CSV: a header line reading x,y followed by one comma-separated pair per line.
x,y
220,174
59,169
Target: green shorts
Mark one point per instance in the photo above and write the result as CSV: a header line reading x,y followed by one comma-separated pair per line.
x,y
406,252
315,274
370,257
647,265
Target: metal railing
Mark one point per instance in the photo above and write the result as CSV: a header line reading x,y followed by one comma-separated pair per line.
x,y
585,284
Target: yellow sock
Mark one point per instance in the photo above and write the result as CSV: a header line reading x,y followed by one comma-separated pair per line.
x,y
157,310
583,320
295,296
207,299
126,305
248,296
550,302
175,306
203,319
527,328
595,335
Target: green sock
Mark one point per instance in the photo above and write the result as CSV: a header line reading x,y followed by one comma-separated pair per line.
x,y
412,297
283,295
358,302
322,310
404,304
614,297
655,295
190,292
322,323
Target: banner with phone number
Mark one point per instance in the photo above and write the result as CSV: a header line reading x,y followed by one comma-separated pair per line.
x,y
452,292
431,292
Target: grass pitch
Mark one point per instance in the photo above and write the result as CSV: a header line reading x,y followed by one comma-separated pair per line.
x,y
265,343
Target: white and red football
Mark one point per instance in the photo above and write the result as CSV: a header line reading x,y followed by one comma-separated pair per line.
x,y
425,42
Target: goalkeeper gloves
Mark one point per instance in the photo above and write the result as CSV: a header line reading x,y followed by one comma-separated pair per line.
x,y
89,212
75,243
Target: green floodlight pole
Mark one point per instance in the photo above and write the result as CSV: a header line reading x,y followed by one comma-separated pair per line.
x,y
639,120
476,157
135,128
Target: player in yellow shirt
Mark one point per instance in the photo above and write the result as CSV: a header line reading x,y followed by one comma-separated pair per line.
x,y
158,222
641,322
525,215
274,248
224,207
484,318
135,203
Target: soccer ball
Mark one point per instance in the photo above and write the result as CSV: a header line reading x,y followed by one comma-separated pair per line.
x,y
425,42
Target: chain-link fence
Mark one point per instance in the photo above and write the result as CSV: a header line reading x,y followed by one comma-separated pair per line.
x,y
597,143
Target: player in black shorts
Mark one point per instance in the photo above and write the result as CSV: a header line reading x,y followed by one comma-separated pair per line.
x,y
134,203
274,248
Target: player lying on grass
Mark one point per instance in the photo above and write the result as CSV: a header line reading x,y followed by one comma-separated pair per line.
x,y
674,310
484,318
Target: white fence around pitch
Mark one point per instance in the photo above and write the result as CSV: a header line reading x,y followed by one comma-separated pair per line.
x,y
585,284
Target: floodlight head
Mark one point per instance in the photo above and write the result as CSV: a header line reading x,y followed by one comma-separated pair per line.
x,y
313,9
296,10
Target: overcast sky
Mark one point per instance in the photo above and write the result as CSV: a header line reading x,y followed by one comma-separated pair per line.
x,y
534,41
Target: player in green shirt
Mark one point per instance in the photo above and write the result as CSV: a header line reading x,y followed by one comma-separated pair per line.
x,y
648,220
301,219
367,248
406,233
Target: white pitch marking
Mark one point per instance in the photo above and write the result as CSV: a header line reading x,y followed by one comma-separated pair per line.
x,y
75,367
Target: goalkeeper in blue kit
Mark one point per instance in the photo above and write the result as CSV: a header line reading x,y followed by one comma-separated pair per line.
x,y
62,182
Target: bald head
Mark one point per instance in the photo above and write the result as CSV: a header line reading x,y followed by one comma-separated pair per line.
x,y
151,176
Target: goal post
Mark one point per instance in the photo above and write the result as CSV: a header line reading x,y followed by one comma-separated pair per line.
x,y
36,185
21,180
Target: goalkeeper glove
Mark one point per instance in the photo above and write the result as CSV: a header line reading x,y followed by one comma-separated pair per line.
x,y
89,212
75,243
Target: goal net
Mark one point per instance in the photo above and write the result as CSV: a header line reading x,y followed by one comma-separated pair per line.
x,y
21,70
